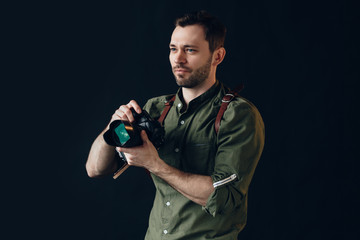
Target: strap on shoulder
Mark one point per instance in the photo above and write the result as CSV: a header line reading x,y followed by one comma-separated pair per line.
x,y
225,102
168,105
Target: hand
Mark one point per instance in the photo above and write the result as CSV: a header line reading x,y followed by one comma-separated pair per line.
x,y
124,112
145,156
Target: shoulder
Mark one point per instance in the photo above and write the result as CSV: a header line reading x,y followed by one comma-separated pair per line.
x,y
160,99
242,104
154,106
241,112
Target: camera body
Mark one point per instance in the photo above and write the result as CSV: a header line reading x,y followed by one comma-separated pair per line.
x,y
125,134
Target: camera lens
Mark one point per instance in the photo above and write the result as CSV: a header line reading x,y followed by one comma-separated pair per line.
x,y
126,134
122,134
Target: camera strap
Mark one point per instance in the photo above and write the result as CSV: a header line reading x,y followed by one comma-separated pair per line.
x,y
168,105
224,104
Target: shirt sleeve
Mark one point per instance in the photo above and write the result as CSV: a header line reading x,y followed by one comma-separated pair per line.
x,y
240,144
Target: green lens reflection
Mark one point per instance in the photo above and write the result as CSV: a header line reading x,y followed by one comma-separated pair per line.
x,y
122,133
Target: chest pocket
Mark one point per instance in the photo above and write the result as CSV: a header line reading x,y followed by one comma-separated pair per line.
x,y
199,157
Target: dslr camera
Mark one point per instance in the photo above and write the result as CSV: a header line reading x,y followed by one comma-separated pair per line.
x,y
125,134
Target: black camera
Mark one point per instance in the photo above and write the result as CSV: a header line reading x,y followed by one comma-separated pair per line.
x,y
126,134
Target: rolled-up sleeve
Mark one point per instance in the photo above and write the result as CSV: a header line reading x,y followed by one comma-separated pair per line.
x,y
240,144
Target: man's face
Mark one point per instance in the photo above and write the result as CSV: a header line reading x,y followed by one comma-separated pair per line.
x,y
190,56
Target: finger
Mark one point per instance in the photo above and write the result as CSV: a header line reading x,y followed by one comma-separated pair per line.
x,y
133,104
123,154
144,136
119,114
127,113
125,150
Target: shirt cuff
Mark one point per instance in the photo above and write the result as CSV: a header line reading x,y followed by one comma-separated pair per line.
x,y
219,197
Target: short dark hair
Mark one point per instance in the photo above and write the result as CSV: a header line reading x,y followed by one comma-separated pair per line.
x,y
214,29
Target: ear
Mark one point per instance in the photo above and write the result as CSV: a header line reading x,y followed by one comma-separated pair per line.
x,y
218,56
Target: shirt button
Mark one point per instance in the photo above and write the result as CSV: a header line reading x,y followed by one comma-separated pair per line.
x,y
182,122
179,105
167,203
176,150
165,231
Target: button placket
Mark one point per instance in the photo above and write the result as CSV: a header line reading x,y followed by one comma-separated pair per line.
x,y
165,231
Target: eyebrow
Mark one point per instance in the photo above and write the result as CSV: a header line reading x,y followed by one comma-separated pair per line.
x,y
185,46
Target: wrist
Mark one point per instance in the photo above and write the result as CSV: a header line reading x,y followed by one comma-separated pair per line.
x,y
158,167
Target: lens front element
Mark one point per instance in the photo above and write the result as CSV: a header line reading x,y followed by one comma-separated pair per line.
x,y
122,133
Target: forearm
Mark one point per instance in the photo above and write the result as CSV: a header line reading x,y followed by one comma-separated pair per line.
x,y
196,187
101,159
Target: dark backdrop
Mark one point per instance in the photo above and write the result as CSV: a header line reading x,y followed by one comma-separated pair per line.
x,y
71,65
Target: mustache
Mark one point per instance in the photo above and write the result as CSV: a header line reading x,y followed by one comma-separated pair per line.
x,y
182,67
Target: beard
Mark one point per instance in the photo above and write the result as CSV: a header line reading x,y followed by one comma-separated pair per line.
x,y
196,77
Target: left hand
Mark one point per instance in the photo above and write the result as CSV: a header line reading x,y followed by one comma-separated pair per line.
x,y
145,156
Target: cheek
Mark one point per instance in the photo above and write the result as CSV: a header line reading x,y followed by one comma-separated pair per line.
x,y
171,60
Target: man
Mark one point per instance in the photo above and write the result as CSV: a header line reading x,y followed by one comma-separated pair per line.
x,y
201,177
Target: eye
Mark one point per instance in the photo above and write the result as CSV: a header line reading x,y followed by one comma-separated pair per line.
x,y
190,50
172,49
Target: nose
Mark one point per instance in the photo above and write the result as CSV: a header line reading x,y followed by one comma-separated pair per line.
x,y
179,57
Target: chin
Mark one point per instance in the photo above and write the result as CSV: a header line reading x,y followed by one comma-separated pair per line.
x,y
180,83
180,80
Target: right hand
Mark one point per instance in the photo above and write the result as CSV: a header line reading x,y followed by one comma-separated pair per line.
x,y
124,112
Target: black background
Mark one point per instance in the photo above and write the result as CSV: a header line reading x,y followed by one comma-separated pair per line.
x,y
70,65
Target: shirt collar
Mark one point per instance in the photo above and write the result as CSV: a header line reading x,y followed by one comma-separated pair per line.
x,y
211,92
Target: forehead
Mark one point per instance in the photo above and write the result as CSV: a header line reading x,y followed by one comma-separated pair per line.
x,y
189,35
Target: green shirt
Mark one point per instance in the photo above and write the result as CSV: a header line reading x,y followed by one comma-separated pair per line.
x,y
192,145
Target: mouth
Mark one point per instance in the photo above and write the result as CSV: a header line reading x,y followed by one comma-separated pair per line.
x,y
181,70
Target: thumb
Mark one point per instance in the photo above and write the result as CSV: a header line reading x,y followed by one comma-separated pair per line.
x,y
144,136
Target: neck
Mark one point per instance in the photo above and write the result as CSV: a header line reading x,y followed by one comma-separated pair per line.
x,y
191,93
